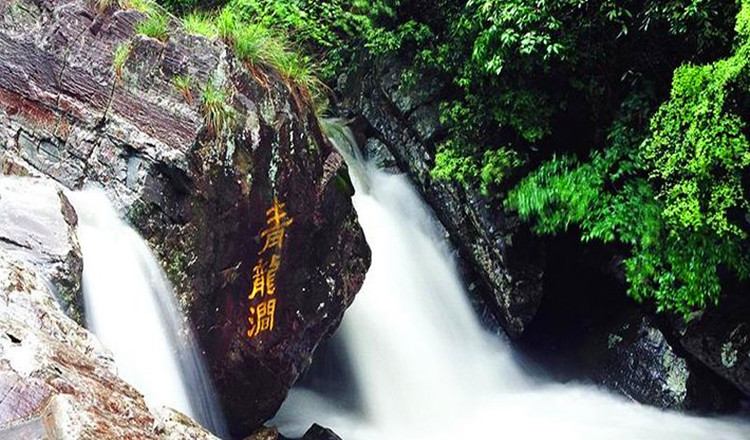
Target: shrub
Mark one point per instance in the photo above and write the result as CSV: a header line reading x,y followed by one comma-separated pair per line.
x,y
674,199
698,150
489,170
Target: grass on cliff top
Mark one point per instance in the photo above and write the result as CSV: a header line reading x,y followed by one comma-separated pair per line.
x,y
254,42
257,44
155,26
198,23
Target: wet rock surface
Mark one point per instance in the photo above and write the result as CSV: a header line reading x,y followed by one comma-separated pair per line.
x,y
503,259
720,338
56,380
173,425
641,363
317,432
199,196
37,227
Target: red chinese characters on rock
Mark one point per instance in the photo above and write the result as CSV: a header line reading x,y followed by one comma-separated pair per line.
x,y
262,294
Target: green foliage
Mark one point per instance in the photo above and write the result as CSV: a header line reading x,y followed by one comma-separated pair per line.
x,y
531,30
256,43
145,6
497,166
318,27
541,83
698,149
218,114
198,23
489,170
257,32
155,26
674,199
182,7
227,23
184,84
450,164
120,57
743,20
677,270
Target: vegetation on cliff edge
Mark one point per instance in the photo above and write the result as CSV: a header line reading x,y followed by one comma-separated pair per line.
x,y
625,122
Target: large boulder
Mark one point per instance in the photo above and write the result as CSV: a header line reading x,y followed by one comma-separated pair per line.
x,y
640,362
56,380
201,196
720,338
503,260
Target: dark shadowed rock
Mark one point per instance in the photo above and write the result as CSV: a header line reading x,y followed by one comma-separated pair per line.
x,y
503,264
720,338
200,197
588,329
317,432
640,363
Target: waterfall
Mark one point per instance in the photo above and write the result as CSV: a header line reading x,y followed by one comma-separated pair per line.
x,y
424,367
130,307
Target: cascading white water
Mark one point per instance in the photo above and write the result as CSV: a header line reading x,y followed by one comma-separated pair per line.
x,y
424,367
131,309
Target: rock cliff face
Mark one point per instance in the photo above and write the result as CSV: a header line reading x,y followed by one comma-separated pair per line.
x,y
56,381
402,127
203,197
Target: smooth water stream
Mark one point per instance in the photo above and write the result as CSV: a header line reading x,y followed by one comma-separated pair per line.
x,y
425,369
131,309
